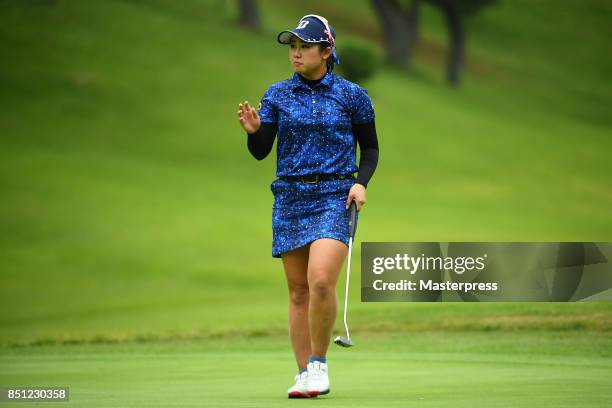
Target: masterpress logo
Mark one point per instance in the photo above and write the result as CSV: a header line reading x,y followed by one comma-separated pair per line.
x,y
485,271
413,264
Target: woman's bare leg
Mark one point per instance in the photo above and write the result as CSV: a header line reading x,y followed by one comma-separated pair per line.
x,y
296,267
324,264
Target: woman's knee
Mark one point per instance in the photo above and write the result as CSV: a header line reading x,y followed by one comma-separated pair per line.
x,y
299,294
321,287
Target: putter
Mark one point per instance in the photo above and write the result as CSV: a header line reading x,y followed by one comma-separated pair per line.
x,y
346,341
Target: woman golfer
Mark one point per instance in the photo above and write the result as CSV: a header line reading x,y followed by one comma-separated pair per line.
x,y
319,117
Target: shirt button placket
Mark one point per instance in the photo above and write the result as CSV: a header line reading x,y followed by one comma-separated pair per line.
x,y
313,101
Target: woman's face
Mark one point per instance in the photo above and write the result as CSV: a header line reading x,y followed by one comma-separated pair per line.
x,y
305,57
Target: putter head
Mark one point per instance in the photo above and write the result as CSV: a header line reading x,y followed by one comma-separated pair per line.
x,y
343,341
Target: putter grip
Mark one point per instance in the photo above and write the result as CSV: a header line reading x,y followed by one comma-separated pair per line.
x,y
353,219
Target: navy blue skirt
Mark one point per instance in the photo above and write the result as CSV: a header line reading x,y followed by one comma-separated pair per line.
x,y
304,212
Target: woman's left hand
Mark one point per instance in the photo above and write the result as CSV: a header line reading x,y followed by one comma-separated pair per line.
x,y
357,193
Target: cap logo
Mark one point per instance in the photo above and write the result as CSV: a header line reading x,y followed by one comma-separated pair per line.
x,y
302,24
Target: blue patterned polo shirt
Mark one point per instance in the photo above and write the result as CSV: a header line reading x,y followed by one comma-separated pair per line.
x,y
315,124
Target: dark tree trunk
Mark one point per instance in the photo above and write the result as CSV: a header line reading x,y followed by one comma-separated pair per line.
x,y
249,16
413,22
399,27
454,23
457,46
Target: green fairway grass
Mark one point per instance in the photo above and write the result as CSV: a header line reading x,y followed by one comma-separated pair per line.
x,y
421,369
136,238
131,206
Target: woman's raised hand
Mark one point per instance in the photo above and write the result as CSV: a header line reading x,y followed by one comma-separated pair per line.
x,y
248,117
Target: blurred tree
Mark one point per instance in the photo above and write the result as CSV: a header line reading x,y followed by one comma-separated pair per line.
x,y
249,15
399,22
454,12
359,60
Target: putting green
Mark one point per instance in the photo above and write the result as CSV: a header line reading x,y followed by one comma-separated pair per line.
x,y
429,369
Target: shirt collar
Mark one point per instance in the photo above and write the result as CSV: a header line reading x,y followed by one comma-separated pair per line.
x,y
327,80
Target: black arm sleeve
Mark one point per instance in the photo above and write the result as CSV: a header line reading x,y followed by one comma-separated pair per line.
x,y
260,143
368,146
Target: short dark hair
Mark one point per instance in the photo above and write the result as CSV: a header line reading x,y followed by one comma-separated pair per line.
x,y
330,61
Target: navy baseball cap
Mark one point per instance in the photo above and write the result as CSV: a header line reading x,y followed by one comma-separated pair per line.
x,y
312,29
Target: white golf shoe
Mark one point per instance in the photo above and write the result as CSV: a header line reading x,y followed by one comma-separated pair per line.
x,y
318,380
299,389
